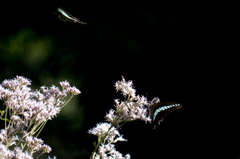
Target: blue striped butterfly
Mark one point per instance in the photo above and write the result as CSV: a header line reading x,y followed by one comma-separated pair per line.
x,y
159,110
65,16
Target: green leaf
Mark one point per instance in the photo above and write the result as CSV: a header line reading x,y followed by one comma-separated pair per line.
x,y
94,144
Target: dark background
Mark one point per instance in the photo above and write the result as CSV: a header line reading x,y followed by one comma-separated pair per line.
x,y
175,50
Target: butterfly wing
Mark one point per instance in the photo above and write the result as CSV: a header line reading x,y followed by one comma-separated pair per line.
x,y
80,22
152,108
160,110
65,16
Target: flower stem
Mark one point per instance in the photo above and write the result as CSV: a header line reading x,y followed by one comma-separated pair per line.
x,y
6,118
66,102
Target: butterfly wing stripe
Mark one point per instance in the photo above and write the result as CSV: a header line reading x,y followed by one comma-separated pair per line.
x,y
164,108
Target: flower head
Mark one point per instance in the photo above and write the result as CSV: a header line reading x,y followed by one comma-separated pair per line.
x,y
125,87
111,136
29,110
109,151
103,128
134,108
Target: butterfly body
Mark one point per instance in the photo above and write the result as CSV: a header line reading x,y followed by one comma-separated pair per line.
x,y
159,110
65,16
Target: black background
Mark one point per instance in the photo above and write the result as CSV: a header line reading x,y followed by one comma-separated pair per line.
x,y
175,50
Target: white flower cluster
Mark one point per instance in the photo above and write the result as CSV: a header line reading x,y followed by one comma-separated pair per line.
x,y
36,145
34,106
103,129
26,112
17,153
107,148
135,107
108,151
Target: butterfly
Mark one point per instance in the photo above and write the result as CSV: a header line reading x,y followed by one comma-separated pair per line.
x,y
65,16
159,110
